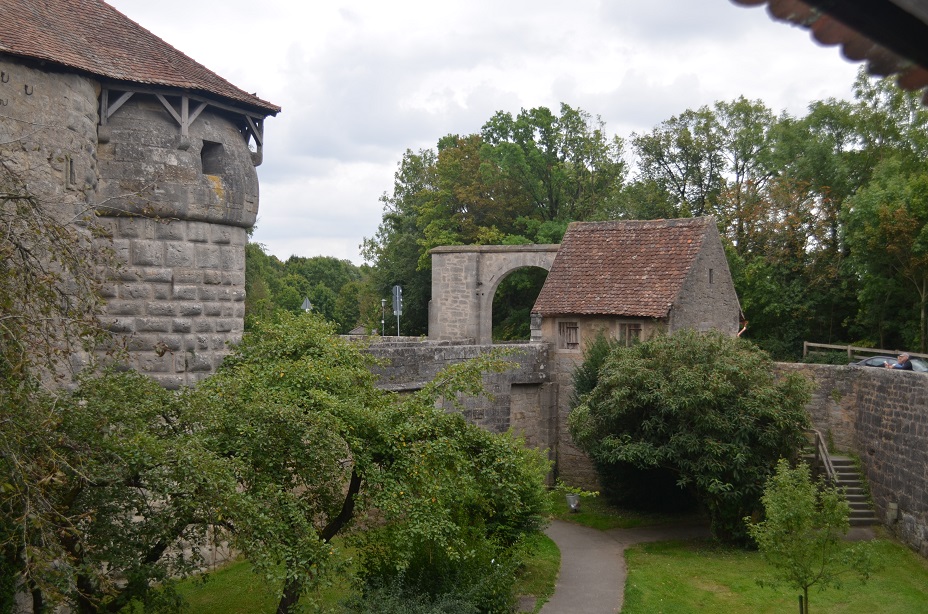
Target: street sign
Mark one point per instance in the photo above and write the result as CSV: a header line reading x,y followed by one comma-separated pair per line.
x,y
397,300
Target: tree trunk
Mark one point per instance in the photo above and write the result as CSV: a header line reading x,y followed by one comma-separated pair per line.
x,y
291,596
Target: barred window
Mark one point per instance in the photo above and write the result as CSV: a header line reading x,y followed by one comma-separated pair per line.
x,y
568,335
629,333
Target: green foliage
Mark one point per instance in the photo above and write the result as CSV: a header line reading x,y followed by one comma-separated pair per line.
x,y
115,479
331,285
695,577
887,226
512,304
586,376
393,466
702,406
519,181
801,535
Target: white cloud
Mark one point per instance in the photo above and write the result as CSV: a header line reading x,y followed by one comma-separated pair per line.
x,y
362,81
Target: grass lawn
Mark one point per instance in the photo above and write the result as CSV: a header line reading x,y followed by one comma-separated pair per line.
x,y
597,514
235,589
683,577
539,574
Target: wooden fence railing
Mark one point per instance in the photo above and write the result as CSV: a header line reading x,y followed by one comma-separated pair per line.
x,y
852,350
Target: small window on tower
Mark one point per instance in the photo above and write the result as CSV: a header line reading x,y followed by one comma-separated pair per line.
x,y
711,276
211,158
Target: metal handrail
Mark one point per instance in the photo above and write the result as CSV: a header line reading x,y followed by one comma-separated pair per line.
x,y
821,454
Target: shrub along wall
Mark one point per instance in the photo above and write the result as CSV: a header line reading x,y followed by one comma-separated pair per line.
x,y
881,416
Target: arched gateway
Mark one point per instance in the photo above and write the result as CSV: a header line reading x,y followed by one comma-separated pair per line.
x,y
464,280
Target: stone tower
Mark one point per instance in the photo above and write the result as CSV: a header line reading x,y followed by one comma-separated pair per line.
x,y
98,114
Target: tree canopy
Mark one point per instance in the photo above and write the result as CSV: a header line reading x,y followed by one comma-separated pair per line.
x,y
792,196
802,533
703,408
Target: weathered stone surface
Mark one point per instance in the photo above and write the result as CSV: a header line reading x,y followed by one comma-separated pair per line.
x,y
464,280
880,415
176,217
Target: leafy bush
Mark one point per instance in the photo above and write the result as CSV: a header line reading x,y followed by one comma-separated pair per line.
x,y
704,407
586,375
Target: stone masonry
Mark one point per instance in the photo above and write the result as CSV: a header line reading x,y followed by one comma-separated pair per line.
x,y
522,399
881,416
175,207
464,281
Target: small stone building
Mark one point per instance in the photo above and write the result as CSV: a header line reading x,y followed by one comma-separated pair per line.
x,y
102,119
632,279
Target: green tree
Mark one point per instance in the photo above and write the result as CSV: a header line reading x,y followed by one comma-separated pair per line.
x,y
887,229
565,164
683,156
395,250
702,406
386,464
272,285
801,534
97,481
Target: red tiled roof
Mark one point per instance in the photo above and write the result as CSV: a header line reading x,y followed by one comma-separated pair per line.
x,y
629,268
91,36
889,35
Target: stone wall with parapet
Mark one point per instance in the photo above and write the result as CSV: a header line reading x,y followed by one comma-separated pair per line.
x,y
881,416
522,398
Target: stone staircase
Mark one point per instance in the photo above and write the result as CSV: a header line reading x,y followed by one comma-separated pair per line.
x,y
845,474
847,477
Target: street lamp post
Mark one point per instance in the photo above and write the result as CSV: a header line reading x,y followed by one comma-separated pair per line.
x,y
383,312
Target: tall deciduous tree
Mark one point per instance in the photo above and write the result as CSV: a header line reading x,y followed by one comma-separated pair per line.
x,y
395,250
888,232
314,446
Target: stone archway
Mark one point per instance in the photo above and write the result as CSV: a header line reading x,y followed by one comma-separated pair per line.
x,y
464,280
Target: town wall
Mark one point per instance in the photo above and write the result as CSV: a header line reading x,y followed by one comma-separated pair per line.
x,y
881,417
464,281
522,398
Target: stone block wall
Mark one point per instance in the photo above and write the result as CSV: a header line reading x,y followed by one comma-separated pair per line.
x,y
175,208
522,398
180,299
881,416
707,300
453,310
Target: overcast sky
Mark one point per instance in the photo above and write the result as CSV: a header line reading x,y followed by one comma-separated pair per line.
x,y
360,82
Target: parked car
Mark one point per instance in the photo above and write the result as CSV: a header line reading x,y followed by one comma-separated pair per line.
x,y
918,364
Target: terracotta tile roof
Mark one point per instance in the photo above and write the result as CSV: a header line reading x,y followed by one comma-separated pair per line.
x,y
889,35
629,268
91,36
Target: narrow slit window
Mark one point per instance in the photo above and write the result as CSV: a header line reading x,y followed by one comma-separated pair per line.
x,y
629,333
